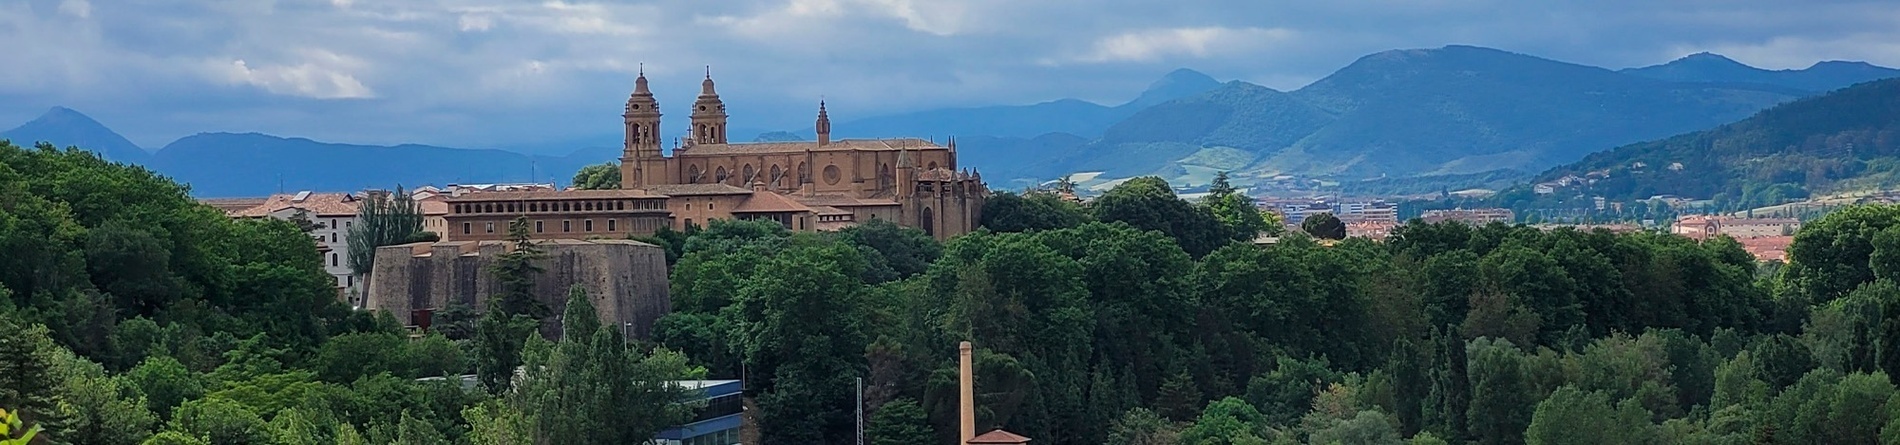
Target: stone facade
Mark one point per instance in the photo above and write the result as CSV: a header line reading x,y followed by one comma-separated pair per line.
x,y
627,280
817,185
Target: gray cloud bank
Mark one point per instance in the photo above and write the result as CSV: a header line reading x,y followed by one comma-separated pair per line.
x,y
489,73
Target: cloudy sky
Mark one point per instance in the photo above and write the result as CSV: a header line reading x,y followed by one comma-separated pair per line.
x,y
496,73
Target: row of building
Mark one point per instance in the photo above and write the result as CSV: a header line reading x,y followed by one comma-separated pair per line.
x,y
818,185
824,184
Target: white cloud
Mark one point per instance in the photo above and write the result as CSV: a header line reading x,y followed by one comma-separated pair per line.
x,y
321,75
1195,42
76,8
473,22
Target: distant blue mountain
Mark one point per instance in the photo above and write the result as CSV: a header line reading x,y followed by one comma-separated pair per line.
x,y
64,127
250,164
1073,116
1714,68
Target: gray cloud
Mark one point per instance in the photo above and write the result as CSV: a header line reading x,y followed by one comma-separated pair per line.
x,y
500,72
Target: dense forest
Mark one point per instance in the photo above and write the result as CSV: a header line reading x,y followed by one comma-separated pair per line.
x,y
132,315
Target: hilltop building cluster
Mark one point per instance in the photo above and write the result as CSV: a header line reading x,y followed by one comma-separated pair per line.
x,y
1765,238
825,184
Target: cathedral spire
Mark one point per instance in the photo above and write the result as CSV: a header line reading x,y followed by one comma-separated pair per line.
x,y
823,128
640,83
709,114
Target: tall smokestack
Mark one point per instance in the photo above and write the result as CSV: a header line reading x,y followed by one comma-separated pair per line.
x,y
967,387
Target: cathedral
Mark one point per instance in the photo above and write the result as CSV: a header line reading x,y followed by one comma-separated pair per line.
x,y
824,184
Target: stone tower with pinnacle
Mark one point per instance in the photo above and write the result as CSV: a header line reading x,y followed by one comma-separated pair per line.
x,y
709,114
641,161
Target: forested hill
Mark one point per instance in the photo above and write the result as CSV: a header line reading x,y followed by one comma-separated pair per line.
x,y
1845,140
132,315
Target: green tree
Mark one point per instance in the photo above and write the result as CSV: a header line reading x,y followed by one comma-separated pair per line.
x,y
904,251
1227,421
899,422
166,383
95,408
348,357
172,438
221,422
1323,226
1237,211
591,389
1178,397
382,219
496,422
1139,426
1501,403
797,323
517,270
1149,203
28,383
1365,427
1572,416
604,176
498,340
1030,210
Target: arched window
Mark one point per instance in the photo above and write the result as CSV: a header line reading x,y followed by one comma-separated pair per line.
x,y
804,173
933,165
930,222
693,174
778,176
719,175
749,175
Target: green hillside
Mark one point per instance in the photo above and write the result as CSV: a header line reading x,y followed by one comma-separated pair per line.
x,y
1425,112
1845,140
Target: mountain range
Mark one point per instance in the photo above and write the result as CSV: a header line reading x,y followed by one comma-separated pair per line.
x,y
1846,140
1714,68
1456,110
1450,112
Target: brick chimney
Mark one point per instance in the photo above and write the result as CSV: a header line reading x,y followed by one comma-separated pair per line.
x,y
966,387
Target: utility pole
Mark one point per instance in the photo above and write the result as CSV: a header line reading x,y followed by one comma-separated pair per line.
x,y
860,411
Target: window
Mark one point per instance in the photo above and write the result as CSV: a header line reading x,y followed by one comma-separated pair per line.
x,y
587,225
346,224
349,281
333,262
332,237
567,226
465,229
490,227
610,224
332,223
537,227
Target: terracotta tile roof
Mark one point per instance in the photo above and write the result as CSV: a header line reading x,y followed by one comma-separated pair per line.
x,y
698,189
829,210
940,174
434,207
842,201
229,205
769,202
318,204
804,146
998,437
551,195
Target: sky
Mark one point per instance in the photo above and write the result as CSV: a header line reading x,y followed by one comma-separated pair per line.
x,y
514,73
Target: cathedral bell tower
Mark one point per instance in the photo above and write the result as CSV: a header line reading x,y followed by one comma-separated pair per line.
x,y
709,114
641,156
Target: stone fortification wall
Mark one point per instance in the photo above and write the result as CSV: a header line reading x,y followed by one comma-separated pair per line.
x,y
626,279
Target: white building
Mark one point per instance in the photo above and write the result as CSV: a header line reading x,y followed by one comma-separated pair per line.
x,y
333,213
